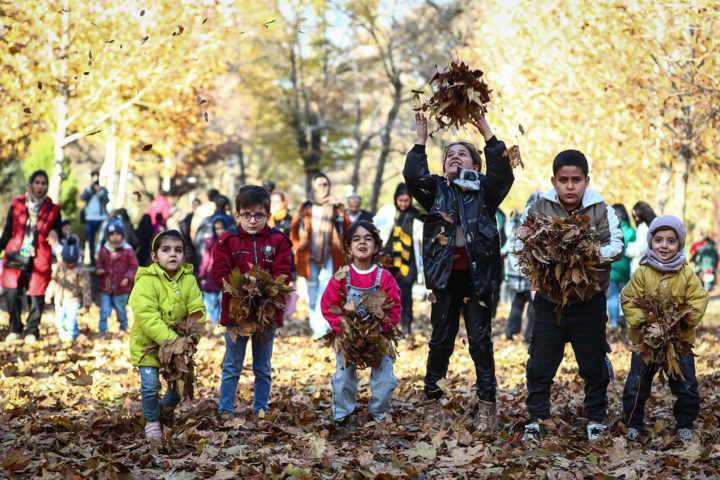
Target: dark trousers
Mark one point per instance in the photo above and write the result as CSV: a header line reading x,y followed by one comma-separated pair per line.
x,y
514,323
91,229
583,325
406,300
445,319
14,298
638,386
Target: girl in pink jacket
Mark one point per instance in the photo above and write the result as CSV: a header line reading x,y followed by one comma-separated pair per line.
x,y
362,241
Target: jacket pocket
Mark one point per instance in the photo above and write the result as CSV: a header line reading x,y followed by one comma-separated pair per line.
x,y
487,230
607,371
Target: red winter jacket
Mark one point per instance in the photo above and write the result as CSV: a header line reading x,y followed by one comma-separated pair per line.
x,y
42,262
270,248
117,265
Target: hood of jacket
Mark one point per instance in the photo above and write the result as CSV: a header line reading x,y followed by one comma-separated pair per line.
x,y
590,197
155,271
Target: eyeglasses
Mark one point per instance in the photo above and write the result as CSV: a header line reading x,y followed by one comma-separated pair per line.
x,y
259,217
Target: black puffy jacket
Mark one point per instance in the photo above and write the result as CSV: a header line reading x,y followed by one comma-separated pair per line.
x,y
476,212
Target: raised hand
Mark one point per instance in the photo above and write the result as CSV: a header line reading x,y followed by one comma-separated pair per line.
x,y
483,127
422,132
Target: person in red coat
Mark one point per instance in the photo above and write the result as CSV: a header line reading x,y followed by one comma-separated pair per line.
x,y
251,242
115,268
32,227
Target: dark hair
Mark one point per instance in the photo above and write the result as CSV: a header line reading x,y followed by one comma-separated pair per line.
x,y
644,212
666,228
197,200
571,158
38,173
159,216
221,202
94,172
212,193
251,196
279,194
269,185
123,214
474,153
64,222
622,212
347,236
401,190
321,175
160,239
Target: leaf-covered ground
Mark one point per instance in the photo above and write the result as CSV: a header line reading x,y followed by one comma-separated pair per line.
x,y
54,426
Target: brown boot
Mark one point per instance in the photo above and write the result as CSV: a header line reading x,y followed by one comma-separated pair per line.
x,y
486,420
433,412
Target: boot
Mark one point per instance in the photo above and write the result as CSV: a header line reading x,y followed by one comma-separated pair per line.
x,y
486,420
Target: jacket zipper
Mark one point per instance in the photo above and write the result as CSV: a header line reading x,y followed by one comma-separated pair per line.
x,y
255,250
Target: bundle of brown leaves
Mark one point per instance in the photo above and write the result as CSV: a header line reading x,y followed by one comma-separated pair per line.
x,y
255,301
177,357
660,339
560,257
363,341
460,96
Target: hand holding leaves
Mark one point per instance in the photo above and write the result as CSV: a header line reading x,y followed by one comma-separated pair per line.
x,y
422,132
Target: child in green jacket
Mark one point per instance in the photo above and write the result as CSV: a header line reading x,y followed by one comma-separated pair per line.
x,y
163,292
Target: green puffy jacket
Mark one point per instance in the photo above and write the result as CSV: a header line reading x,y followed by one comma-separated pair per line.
x,y
621,269
157,301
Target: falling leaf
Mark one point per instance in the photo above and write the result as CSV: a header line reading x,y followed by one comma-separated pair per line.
x,y
483,304
145,39
432,298
200,101
203,22
512,214
138,196
299,31
93,133
522,130
62,10
447,217
147,147
271,21
40,85
26,110
465,300
181,29
142,12
514,154
90,63
86,73
94,25
62,175
206,117
109,41
419,92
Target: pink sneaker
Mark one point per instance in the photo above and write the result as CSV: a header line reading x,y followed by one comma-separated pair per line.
x,y
153,430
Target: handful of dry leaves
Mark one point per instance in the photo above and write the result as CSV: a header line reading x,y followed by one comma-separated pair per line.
x,y
660,340
460,96
255,301
363,341
177,357
560,257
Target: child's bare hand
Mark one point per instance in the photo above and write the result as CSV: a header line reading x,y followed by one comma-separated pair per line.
x,y
483,127
99,272
125,282
422,132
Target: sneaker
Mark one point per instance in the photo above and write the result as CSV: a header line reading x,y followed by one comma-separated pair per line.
x,y
486,419
632,433
596,431
153,430
344,424
433,412
12,337
533,431
30,339
684,434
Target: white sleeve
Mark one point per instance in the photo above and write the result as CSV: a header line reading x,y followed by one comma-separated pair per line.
x,y
617,241
518,244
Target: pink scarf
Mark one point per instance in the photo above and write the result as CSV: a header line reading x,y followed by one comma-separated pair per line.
x,y
673,265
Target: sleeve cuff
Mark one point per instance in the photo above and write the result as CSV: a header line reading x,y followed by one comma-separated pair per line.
x,y
420,149
492,143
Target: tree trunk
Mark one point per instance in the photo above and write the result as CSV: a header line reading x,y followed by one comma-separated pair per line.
x,y
62,101
355,180
108,168
386,140
123,180
311,156
682,173
241,161
663,189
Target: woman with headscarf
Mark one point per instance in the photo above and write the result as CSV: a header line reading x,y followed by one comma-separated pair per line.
x,y
401,233
281,219
33,226
517,282
211,293
152,220
643,214
316,233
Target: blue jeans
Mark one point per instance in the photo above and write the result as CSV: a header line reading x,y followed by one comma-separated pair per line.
x,y
212,303
615,314
150,387
316,285
91,229
119,303
233,365
345,383
66,320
